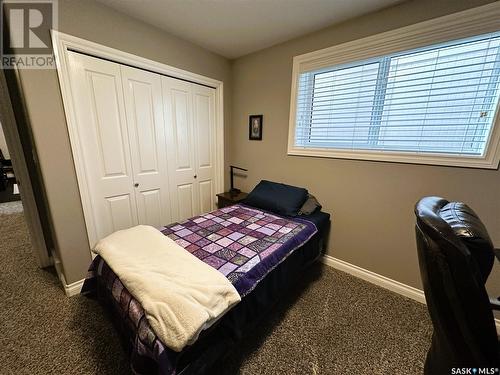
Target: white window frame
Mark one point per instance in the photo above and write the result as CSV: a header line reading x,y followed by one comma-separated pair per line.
x,y
469,23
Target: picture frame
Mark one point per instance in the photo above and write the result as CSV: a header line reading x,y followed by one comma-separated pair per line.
x,y
255,127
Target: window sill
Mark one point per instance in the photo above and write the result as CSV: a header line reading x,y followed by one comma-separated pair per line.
x,y
481,162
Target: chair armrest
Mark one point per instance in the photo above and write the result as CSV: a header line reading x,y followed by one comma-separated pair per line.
x,y
495,304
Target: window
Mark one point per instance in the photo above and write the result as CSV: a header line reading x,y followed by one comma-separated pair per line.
x,y
429,103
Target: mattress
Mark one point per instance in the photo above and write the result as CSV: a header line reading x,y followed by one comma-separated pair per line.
x,y
282,246
320,219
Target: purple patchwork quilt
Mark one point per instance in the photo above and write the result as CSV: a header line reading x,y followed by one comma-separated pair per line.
x,y
243,243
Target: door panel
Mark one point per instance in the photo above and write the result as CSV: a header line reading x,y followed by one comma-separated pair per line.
x,y
177,98
182,132
206,194
149,201
142,108
146,126
107,124
103,138
204,129
187,204
120,211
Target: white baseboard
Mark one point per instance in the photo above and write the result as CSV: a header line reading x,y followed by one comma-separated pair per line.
x,y
382,281
74,288
70,289
375,278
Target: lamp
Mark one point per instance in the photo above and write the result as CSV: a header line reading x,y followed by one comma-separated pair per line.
x,y
233,190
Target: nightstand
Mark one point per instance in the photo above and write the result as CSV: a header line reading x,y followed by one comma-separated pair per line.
x,y
228,199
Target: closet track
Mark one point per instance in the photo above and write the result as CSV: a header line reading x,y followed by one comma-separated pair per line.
x,y
137,67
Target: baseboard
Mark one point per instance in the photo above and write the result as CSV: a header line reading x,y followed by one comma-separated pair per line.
x,y
375,278
70,289
382,281
74,288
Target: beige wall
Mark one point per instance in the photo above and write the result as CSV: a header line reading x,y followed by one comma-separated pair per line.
x,y
371,202
92,21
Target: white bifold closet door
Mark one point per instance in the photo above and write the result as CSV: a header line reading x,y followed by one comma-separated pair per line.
x,y
146,128
147,143
104,142
189,108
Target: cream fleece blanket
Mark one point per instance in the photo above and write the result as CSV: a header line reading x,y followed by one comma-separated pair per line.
x,y
180,294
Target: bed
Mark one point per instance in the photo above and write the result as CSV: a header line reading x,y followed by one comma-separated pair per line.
x,y
260,252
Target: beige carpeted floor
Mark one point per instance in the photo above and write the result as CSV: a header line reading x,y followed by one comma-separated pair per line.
x,y
331,323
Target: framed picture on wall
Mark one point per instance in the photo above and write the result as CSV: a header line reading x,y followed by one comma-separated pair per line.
x,y
255,127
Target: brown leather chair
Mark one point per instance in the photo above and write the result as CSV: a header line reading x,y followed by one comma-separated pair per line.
x,y
456,256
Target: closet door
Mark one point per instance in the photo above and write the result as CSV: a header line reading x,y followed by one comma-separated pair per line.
x,y
146,128
103,139
204,138
177,96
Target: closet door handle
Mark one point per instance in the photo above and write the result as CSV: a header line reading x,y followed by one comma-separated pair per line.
x,y
195,176
136,184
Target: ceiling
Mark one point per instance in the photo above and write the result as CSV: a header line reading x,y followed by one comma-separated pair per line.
x,y
233,28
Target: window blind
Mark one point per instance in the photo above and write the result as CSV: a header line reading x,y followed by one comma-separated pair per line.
x,y
438,99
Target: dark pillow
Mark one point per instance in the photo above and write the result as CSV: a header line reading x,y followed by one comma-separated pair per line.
x,y
310,205
278,198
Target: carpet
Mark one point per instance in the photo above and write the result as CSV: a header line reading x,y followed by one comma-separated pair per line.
x,y
41,330
330,323
11,208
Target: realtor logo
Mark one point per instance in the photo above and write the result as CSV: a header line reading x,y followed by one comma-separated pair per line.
x,y
25,41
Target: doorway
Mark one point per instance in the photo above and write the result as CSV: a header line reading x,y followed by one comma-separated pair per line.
x,y
20,178
9,190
